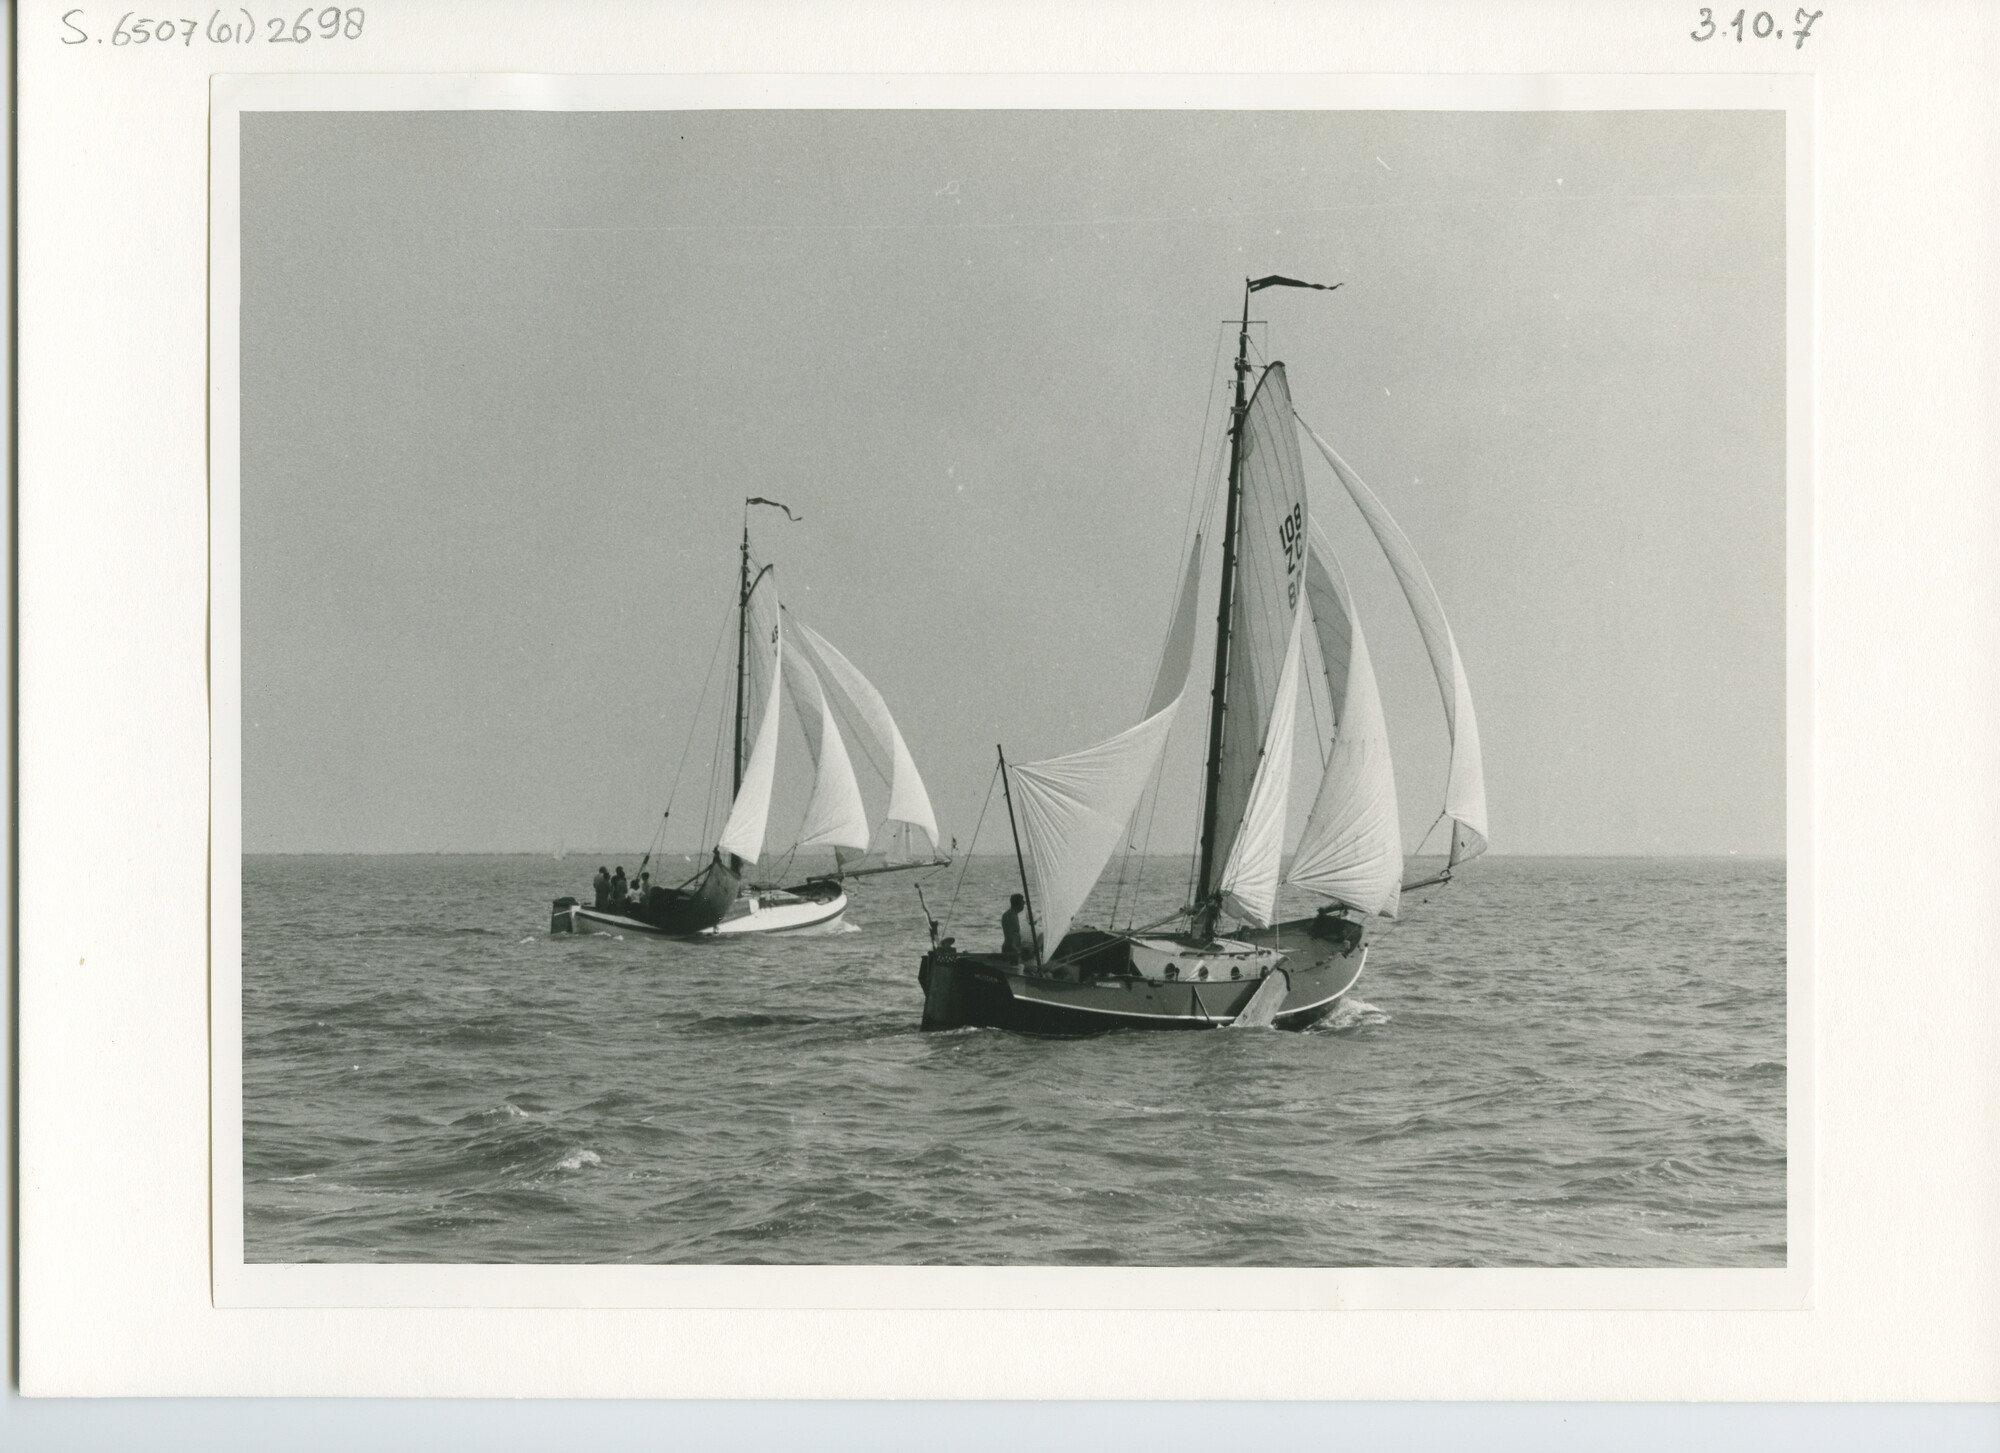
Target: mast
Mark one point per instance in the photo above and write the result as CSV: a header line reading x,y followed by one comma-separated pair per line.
x,y
1204,917
1034,934
742,653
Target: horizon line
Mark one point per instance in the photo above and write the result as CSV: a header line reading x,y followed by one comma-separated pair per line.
x,y
962,857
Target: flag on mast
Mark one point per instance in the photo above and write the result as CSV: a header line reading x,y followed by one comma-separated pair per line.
x,y
1274,281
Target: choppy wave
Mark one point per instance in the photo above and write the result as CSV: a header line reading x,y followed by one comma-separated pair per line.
x,y
1556,1063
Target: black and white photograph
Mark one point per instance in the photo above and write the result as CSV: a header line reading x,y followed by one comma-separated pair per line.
x,y
901,687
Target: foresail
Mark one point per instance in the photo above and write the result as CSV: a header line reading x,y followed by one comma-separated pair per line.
x,y
743,834
1352,848
1465,787
1178,656
909,803
1272,516
1250,880
1072,813
835,816
1073,810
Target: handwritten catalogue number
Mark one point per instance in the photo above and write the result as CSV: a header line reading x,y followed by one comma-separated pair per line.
x,y
224,27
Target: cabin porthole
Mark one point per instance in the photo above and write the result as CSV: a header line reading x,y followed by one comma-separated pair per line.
x,y
1234,972
1202,972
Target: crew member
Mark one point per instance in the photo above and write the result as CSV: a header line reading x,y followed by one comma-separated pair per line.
x,y
618,890
602,883
1013,943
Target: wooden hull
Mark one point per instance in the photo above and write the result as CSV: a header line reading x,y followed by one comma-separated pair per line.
x,y
1320,961
754,914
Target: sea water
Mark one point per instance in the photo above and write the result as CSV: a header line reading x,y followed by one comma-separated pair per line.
x,y
1549,1062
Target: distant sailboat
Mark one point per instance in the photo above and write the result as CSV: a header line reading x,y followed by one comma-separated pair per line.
x,y
778,656
1283,604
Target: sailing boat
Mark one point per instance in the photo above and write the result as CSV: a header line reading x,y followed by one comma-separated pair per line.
x,y
778,656
1228,958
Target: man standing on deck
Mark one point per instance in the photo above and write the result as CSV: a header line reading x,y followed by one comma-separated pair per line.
x,y
1013,944
602,883
618,887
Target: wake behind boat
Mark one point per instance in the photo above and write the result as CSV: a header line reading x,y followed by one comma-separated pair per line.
x,y
1283,611
778,656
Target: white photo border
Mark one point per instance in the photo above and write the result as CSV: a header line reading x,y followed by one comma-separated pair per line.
x,y
240,1284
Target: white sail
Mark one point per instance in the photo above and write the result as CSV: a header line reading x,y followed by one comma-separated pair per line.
x,y
1249,881
1072,811
908,802
1465,787
743,834
1170,681
1352,847
1272,515
835,815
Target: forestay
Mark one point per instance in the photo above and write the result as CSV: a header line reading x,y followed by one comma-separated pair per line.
x,y
1072,810
909,803
1352,848
835,815
1465,787
1272,515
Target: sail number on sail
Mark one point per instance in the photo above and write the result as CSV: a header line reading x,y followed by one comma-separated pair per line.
x,y
1292,535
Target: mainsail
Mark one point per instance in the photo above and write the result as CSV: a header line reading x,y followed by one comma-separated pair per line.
x,y
743,834
1465,786
1270,576
909,804
835,815
1073,809
1352,849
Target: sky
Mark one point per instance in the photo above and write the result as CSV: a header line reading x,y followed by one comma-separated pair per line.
x,y
508,377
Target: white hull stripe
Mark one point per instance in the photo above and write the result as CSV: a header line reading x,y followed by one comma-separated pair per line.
x,y
612,920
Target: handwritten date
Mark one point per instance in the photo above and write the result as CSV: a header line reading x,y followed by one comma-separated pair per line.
x,y
1762,26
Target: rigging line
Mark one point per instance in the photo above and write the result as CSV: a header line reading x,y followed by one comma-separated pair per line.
x,y
1201,445
1418,850
1312,700
1189,524
1194,523
722,634
713,810
951,908
1146,837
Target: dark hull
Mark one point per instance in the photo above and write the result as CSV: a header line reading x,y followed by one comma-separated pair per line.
x,y
1321,961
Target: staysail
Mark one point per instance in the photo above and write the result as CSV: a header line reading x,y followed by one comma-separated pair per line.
x,y
1073,809
743,833
835,815
1465,786
1352,848
1249,881
909,803
1272,515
